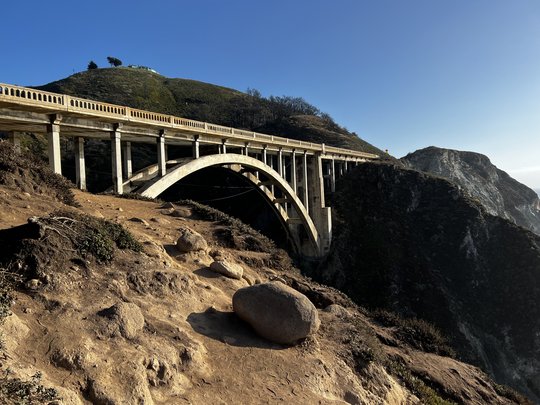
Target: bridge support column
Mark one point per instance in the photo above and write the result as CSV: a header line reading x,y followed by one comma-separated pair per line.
x,y
305,181
116,158
128,166
320,214
195,147
162,158
223,146
53,141
294,184
80,166
333,176
280,162
15,139
264,154
246,149
345,166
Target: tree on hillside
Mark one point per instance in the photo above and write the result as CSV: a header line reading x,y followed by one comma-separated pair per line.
x,y
92,65
114,61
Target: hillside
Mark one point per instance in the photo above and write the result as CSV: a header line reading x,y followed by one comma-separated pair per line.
x,y
418,245
499,193
105,310
284,116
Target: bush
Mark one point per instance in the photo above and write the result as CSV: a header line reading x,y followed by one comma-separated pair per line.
x,y
92,65
91,236
16,391
416,332
29,173
426,394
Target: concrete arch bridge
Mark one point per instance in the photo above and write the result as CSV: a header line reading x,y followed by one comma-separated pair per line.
x,y
290,174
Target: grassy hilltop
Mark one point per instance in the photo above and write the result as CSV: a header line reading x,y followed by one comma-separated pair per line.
x,y
290,117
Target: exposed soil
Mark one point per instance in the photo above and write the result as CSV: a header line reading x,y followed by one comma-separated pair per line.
x,y
191,348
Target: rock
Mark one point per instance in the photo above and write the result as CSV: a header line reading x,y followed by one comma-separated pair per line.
x,y
338,311
33,284
189,240
127,319
139,220
161,221
228,269
276,312
181,212
119,209
168,205
14,331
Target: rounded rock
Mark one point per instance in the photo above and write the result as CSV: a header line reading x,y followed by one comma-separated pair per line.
x,y
277,312
189,240
228,269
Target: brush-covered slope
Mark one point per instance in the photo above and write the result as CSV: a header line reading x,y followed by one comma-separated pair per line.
x,y
284,116
416,244
499,193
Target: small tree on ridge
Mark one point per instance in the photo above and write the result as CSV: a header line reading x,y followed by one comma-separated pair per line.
x,y
114,61
92,65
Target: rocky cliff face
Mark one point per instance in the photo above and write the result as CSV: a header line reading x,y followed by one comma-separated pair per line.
x,y
416,244
499,193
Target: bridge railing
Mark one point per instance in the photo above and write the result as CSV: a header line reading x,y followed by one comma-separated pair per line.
x,y
62,102
31,96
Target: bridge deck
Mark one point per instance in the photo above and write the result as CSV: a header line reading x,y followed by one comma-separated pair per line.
x,y
79,117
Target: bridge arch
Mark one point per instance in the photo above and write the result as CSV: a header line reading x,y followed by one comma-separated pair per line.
x,y
239,163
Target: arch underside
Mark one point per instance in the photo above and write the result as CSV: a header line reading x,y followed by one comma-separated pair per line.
x,y
252,169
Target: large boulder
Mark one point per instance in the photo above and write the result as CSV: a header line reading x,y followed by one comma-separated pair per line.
x,y
189,241
227,268
277,312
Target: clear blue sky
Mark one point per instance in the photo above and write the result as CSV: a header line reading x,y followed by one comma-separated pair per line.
x,y
462,74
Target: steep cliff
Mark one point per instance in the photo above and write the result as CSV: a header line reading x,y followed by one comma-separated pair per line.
x,y
416,244
499,193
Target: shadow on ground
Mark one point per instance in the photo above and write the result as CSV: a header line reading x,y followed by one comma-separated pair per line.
x,y
228,328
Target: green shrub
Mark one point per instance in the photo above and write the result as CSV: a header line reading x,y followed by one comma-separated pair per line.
x,y
27,171
95,236
416,332
426,394
16,391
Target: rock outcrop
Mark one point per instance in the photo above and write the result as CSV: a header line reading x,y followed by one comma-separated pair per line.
x,y
125,319
277,312
499,193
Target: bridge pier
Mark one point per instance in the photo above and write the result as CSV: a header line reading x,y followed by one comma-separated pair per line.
x,y
321,215
161,152
15,138
333,176
126,155
80,167
116,159
53,144
195,147
305,181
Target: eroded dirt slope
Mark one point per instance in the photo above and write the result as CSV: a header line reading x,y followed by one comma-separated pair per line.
x,y
176,339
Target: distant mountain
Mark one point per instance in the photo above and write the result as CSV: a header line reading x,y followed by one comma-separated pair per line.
x,y
418,245
290,117
499,193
